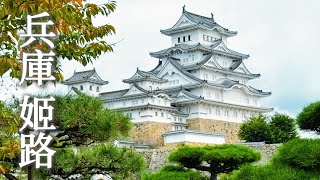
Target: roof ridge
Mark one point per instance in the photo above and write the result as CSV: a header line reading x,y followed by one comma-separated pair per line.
x,y
208,18
85,71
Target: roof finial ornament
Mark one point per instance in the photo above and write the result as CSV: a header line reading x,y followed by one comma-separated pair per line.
x,y
212,16
183,8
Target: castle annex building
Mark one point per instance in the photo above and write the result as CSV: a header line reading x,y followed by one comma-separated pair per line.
x,y
197,93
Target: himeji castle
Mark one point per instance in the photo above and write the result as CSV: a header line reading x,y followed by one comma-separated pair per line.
x,y
198,92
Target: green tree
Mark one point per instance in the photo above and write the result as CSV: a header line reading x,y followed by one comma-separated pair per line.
x,y
280,129
256,129
77,37
301,154
296,159
85,130
9,142
309,118
171,172
214,159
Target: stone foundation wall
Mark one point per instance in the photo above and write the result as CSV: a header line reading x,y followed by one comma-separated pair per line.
x,y
231,129
149,133
157,158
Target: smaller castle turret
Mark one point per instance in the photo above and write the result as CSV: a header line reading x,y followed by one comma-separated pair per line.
x,y
88,82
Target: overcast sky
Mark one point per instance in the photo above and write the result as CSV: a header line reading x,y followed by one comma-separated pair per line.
x,y
281,37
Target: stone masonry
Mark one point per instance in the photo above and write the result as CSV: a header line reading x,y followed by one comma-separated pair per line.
x,y
157,158
231,129
149,133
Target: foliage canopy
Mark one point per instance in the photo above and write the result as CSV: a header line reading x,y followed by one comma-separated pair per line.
x,y
82,141
219,159
280,129
309,118
296,159
76,36
171,172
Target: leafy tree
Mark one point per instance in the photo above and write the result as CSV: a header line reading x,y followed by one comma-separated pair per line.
x,y
171,172
280,129
256,129
77,37
296,159
269,172
119,163
300,154
9,142
309,118
214,159
82,141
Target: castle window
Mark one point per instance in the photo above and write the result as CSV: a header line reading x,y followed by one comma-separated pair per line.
x,y
90,88
156,113
226,113
218,112
235,114
81,87
204,37
180,119
98,89
184,39
162,114
179,40
189,38
176,128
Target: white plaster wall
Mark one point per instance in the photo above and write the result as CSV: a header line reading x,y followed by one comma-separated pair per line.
x,y
86,88
188,58
191,137
193,34
210,33
159,101
239,96
155,115
209,75
175,79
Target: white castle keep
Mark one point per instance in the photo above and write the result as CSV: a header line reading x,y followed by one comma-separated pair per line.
x,y
198,92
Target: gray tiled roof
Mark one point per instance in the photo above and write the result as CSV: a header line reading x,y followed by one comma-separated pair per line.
x,y
207,48
199,21
144,75
85,76
113,94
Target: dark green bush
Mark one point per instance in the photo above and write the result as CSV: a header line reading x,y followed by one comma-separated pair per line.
x,y
300,153
298,159
219,158
270,172
280,129
256,129
309,118
172,172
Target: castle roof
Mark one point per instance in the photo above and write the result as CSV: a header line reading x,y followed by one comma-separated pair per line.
x,y
85,76
198,21
202,47
229,70
144,76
